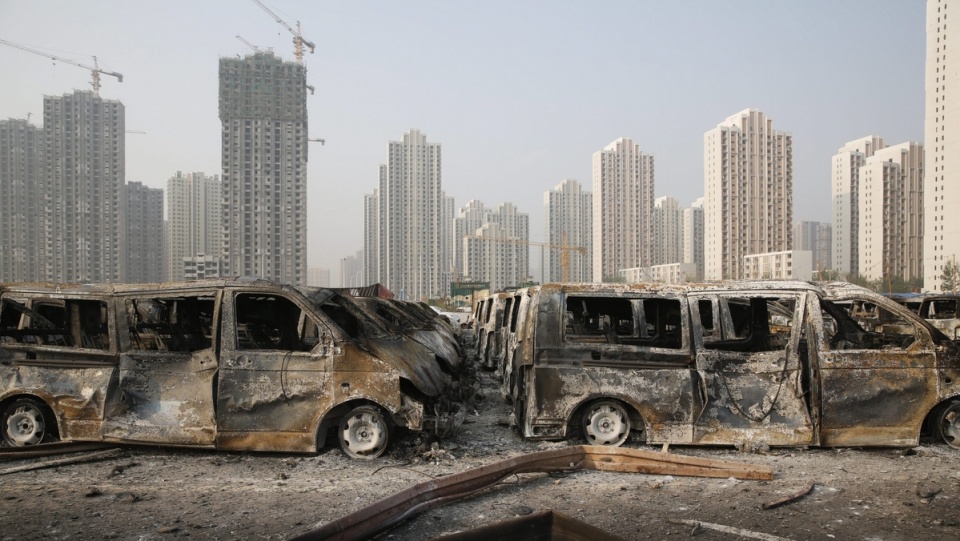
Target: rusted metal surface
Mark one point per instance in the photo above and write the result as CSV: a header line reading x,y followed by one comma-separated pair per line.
x,y
749,364
240,364
542,526
388,512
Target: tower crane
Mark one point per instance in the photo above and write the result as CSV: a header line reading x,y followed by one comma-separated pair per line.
x,y
564,248
94,70
298,40
248,44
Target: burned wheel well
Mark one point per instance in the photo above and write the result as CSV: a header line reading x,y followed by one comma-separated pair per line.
x,y
928,428
637,424
332,419
51,419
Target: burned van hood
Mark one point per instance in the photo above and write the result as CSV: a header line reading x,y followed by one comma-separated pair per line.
x,y
439,345
413,360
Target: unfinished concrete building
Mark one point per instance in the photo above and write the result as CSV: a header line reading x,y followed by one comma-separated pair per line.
x,y
263,110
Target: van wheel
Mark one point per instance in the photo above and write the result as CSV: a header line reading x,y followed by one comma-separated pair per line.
x,y
364,432
605,422
24,422
947,426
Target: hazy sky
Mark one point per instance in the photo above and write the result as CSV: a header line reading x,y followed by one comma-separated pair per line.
x,y
519,93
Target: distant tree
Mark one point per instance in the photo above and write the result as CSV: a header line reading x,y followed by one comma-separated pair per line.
x,y
950,279
614,279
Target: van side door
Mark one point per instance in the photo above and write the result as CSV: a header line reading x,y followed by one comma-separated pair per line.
x,y
750,367
276,372
167,367
878,377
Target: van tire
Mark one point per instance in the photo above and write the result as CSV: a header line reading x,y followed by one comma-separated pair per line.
x,y
364,432
25,422
947,424
605,422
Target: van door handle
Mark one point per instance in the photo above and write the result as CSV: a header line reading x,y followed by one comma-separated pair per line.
x,y
595,355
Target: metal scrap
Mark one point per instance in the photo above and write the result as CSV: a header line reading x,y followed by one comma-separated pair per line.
x,y
390,511
791,497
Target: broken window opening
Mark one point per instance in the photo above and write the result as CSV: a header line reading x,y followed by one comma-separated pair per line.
x,y
748,324
845,328
651,322
273,322
70,323
182,324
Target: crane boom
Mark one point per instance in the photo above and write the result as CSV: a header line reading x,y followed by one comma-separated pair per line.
x,y
94,70
298,40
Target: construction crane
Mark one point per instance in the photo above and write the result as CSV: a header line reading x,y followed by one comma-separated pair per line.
x,y
94,70
248,44
298,39
565,250
321,141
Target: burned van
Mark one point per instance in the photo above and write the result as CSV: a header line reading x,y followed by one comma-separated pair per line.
x,y
775,363
245,365
942,312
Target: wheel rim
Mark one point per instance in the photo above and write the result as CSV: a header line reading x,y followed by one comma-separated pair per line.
x,y
364,434
606,424
25,426
950,426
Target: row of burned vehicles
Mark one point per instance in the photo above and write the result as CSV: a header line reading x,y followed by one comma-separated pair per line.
x,y
240,364
732,363
251,365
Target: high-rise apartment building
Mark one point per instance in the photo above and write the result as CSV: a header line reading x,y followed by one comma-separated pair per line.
x,y
144,251
845,201
498,252
942,140
748,192
411,206
263,111
568,222
623,188
21,202
83,188
471,217
666,231
194,221
816,238
891,213
691,238
318,277
352,271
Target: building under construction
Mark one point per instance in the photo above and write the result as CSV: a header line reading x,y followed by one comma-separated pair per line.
x,y
263,110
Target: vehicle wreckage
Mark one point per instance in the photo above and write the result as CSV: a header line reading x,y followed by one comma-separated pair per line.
x,y
240,364
730,363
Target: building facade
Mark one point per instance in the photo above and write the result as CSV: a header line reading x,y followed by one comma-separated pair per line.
x,y
353,271
623,188
21,202
318,277
263,111
845,201
748,192
816,238
83,174
891,213
568,223
470,218
691,238
410,226
666,231
145,249
194,221
785,265
941,138
498,252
